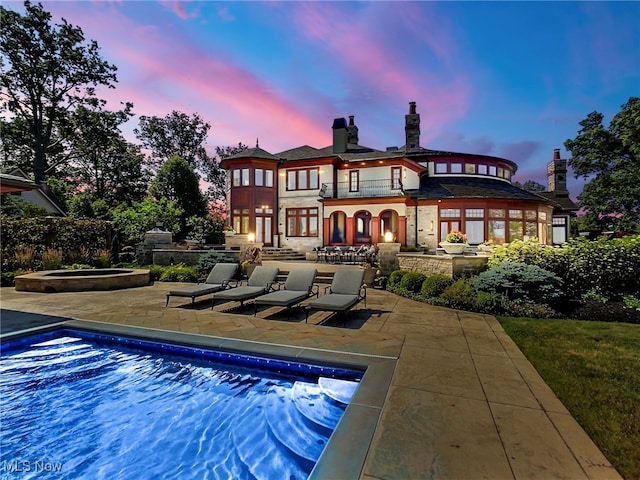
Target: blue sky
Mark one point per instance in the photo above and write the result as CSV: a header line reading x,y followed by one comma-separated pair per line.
x,y
510,79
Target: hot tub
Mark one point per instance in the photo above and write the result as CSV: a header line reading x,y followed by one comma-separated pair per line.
x,y
51,281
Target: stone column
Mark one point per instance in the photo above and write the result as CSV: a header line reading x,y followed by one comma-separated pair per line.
x,y
387,255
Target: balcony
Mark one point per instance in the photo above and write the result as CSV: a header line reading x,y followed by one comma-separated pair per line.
x,y
366,189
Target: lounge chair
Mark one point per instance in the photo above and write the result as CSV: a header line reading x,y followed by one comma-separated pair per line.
x,y
260,282
217,280
345,292
296,289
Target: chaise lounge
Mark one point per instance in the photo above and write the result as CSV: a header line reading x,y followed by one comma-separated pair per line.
x,y
345,292
297,288
260,282
217,280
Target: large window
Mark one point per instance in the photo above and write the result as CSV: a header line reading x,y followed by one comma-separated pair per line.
x,y
240,219
354,180
302,222
306,179
396,178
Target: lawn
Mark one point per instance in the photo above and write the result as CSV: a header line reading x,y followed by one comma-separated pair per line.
x,y
594,369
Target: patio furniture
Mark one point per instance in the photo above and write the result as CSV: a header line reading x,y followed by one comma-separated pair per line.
x,y
217,280
260,282
297,288
344,293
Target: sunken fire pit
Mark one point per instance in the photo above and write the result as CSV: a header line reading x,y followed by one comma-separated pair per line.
x,y
52,281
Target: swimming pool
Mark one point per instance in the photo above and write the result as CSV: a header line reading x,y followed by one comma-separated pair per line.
x,y
94,405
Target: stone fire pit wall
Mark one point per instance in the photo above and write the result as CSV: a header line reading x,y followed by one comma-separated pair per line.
x,y
455,266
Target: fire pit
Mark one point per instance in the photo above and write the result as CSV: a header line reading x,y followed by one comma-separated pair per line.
x,y
82,280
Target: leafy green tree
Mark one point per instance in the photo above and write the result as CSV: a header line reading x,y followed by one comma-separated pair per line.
x,y
175,134
132,222
102,162
531,186
45,71
610,159
177,181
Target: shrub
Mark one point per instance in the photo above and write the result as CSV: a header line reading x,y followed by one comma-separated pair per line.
x,y
412,281
102,258
460,295
434,285
24,257
631,302
528,282
528,309
52,259
487,302
395,278
209,259
155,271
179,273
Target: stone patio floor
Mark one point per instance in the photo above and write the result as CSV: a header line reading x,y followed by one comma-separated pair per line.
x,y
464,402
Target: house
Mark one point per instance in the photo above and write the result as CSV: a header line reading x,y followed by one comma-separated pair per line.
x,y
350,194
16,183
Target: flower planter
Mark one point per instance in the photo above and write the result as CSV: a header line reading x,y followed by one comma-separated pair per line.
x,y
453,248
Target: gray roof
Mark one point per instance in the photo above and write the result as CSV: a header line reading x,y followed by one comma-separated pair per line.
x,y
256,152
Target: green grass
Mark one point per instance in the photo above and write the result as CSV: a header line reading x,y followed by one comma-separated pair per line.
x,y
594,369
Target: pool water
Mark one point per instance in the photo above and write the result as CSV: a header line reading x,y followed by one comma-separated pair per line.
x,y
82,405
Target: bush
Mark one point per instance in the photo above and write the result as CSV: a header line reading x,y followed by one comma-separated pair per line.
x,y
412,281
155,271
487,302
460,295
528,282
395,278
179,273
434,285
52,259
528,309
209,259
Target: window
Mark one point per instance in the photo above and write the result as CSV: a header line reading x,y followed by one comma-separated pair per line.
x,y
396,178
482,169
441,168
245,177
469,168
475,231
493,171
474,212
268,178
259,177
354,176
302,222
306,179
450,212
497,231
240,220
531,215
515,230
236,178
456,168
496,213
515,213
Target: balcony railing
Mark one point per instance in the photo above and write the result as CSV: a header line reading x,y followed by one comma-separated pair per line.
x,y
366,188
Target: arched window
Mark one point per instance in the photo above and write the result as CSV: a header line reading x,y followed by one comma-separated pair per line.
x,y
388,223
363,227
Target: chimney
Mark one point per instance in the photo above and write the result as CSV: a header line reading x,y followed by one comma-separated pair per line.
x,y
557,174
340,135
412,129
353,131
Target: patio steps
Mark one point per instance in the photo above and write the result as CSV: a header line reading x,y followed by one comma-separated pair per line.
x,y
283,254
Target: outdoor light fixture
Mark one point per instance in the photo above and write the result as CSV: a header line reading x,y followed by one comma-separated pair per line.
x,y
388,236
252,237
431,225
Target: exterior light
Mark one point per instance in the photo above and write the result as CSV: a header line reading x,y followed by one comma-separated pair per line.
x,y
252,237
388,236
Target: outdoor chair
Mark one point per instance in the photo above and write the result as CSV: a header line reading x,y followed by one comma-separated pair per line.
x,y
296,289
217,280
344,293
260,282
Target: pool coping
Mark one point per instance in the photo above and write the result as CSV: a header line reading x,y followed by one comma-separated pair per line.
x,y
345,454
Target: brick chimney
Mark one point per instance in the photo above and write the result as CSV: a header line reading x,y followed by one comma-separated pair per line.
x,y
557,174
353,131
340,135
412,129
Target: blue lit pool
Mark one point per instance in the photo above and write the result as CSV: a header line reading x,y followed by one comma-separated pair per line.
x,y
88,405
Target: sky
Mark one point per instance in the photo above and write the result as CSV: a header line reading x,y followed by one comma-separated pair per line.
x,y
507,79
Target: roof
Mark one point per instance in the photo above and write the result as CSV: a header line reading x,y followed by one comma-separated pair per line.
x,y
471,187
13,183
256,152
563,201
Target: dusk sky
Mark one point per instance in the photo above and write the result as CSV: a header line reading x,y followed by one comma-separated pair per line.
x,y
509,79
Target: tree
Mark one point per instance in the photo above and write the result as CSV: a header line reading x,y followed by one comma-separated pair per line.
x,y
102,162
177,181
175,134
531,186
610,159
45,71
131,222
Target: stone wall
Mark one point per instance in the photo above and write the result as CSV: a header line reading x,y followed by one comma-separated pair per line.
x,y
454,266
188,257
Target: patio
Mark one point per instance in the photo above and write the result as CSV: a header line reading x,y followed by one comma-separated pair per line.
x,y
464,402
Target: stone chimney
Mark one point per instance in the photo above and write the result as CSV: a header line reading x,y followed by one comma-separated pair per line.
x,y
557,174
340,135
353,131
412,129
